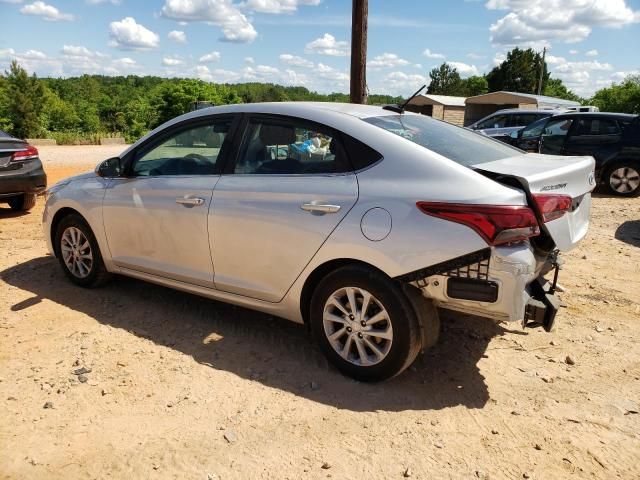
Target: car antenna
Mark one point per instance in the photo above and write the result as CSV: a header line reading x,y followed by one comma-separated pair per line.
x,y
400,108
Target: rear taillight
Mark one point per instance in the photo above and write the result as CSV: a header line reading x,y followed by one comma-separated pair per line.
x,y
496,224
29,153
552,206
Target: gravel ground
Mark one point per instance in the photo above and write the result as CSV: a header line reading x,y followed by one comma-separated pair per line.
x,y
176,386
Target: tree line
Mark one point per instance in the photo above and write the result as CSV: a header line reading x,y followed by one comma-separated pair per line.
x,y
525,71
81,109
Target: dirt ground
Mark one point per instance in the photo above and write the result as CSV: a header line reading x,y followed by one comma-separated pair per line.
x,y
187,388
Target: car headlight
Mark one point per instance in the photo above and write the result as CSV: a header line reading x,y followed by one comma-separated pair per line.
x,y
49,192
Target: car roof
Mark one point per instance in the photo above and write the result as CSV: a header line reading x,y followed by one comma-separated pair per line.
x,y
615,116
293,108
525,110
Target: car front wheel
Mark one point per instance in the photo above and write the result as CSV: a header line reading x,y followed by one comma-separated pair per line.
x,y
365,324
624,179
78,252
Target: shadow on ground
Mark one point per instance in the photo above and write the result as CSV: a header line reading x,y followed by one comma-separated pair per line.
x,y
264,349
629,232
6,212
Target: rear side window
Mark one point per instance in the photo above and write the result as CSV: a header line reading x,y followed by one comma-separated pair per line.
x,y
523,119
597,126
463,146
360,155
290,147
497,121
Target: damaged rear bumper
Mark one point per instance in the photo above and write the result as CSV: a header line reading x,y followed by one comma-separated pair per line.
x,y
503,283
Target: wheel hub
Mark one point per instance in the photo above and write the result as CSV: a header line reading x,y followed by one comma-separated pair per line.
x,y
357,326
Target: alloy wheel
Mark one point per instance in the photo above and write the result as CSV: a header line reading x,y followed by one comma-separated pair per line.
x,y
76,252
624,180
357,326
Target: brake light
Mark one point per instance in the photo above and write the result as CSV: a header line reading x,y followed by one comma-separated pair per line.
x,y
29,153
496,224
552,206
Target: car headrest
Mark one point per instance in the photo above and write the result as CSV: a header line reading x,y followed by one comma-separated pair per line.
x,y
277,135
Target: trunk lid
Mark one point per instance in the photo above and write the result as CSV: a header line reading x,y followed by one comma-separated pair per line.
x,y
551,174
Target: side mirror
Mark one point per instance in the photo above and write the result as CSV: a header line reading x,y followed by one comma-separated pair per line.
x,y
110,167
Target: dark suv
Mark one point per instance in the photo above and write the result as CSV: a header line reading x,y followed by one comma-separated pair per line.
x,y
21,173
613,139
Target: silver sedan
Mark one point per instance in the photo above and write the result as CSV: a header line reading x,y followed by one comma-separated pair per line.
x,y
357,221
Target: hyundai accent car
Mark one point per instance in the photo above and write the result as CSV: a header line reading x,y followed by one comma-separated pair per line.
x,y
21,173
357,221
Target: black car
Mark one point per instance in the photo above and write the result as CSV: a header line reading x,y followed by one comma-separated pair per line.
x,y
21,173
613,139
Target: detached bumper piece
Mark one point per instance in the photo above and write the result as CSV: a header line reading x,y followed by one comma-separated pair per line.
x,y
543,305
473,265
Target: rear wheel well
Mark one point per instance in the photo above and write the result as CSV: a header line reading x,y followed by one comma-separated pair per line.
x,y
57,218
318,274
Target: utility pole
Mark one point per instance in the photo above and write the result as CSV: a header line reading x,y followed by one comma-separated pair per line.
x,y
359,13
544,51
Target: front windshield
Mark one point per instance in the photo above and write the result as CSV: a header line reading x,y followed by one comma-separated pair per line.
x,y
458,144
535,129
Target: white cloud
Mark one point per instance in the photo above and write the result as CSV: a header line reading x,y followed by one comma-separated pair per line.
x,y
464,69
573,52
538,22
592,53
222,13
210,57
34,55
429,54
47,12
295,61
249,60
328,45
499,58
80,51
97,2
129,35
581,77
400,83
171,61
475,56
387,60
177,36
277,6
330,73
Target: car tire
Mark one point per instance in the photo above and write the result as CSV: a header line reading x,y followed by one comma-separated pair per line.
x,y
22,203
623,179
78,252
383,341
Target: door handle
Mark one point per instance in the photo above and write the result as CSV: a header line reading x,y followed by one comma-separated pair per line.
x,y
320,208
190,201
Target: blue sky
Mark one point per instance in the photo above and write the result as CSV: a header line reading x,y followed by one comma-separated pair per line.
x,y
306,42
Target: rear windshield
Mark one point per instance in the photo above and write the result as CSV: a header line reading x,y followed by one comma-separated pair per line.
x,y
458,144
4,134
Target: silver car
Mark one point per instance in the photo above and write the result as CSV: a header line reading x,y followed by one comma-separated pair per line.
x,y
354,220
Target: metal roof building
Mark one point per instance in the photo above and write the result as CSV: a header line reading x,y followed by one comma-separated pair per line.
x,y
443,107
482,105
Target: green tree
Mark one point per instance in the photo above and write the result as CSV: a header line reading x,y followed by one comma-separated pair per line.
x,y
475,85
622,97
445,80
520,72
5,121
555,88
24,102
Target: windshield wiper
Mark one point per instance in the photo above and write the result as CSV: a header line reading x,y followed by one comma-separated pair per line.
x,y
400,108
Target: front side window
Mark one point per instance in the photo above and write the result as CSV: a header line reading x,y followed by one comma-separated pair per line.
x,y
458,144
189,151
497,121
557,128
290,148
534,129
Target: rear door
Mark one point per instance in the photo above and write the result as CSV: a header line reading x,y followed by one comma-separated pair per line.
x,y
156,218
289,188
595,136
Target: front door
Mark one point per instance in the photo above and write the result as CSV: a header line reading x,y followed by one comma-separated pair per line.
x,y
554,136
597,137
156,218
288,190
